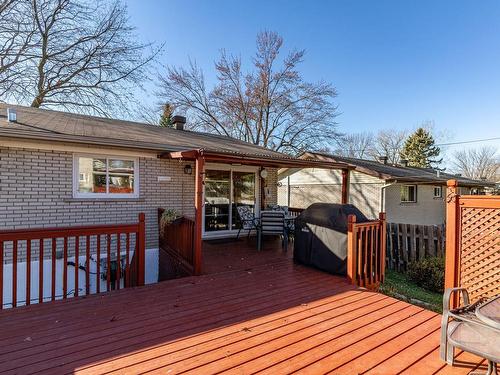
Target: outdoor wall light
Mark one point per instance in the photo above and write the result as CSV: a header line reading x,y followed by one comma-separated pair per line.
x,y
188,169
263,173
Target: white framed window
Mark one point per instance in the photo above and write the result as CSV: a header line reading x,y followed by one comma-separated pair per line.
x,y
438,192
408,193
104,176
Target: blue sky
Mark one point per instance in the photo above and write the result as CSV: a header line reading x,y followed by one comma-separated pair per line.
x,y
395,64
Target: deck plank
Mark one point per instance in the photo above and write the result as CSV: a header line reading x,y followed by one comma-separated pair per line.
x,y
252,312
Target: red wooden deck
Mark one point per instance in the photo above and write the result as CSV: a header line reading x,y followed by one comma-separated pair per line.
x,y
265,314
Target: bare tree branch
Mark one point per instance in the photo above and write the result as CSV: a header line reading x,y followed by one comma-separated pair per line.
x,y
389,143
478,163
356,145
81,56
271,105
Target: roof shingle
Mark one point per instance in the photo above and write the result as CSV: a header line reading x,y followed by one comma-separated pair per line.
x,y
397,172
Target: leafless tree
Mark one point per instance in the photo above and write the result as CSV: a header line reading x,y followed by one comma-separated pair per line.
x,y
83,56
389,143
16,39
271,105
477,163
355,145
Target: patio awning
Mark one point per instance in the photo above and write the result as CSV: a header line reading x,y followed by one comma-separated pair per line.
x,y
256,160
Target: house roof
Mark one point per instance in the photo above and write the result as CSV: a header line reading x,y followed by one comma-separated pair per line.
x,y
391,172
50,125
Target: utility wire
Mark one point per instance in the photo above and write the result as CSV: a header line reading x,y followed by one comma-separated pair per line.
x,y
464,142
367,149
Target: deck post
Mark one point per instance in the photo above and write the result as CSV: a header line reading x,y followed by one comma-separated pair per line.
x,y
345,186
351,250
200,170
451,255
383,244
141,238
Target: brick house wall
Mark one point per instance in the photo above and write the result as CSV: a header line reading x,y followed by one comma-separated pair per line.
x,y
36,190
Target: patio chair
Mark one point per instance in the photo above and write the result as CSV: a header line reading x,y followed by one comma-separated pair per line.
x,y
248,221
289,223
273,223
277,207
462,329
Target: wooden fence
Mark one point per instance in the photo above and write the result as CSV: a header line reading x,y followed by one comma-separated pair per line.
x,y
472,243
410,242
45,248
177,239
366,244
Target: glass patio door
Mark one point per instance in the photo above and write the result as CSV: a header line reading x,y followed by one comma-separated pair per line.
x,y
243,194
217,200
225,190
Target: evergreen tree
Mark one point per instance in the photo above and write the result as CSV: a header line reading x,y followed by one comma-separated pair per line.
x,y
166,116
420,150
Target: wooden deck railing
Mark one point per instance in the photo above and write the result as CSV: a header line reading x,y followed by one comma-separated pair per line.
x,y
366,243
294,211
54,250
177,238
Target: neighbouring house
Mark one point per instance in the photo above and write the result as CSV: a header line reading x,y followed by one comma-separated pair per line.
x,y
62,169
407,194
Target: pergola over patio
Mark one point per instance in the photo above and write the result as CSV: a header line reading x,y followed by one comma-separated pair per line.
x,y
275,160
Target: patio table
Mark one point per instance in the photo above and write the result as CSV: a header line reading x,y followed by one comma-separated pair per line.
x,y
476,329
489,312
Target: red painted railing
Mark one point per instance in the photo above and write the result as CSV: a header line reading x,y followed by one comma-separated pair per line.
x,y
49,246
177,238
366,243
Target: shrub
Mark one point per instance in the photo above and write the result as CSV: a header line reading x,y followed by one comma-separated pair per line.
x,y
169,215
428,273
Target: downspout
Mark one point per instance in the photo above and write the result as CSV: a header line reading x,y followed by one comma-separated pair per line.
x,y
289,191
382,195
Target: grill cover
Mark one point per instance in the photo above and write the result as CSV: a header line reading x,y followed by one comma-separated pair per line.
x,y
321,236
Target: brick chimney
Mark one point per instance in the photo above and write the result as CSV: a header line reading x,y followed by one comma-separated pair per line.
x,y
179,122
383,159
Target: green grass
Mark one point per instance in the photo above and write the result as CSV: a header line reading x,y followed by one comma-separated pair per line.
x,y
398,285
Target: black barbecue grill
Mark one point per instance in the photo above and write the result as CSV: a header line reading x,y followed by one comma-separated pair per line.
x,y
321,236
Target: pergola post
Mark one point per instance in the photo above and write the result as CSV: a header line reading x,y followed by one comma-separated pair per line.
x,y
451,255
198,204
345,186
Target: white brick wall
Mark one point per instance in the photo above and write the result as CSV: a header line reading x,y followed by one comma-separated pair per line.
x,y
36,191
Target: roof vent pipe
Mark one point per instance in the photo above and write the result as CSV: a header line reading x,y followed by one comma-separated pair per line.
x,y
11,115
404,162
382,159
178,122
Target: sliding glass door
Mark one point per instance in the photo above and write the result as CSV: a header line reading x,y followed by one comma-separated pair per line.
x,y
225,190
243,194
217,200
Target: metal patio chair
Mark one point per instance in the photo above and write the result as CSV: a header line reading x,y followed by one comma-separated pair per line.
x,y
462,328
273,223
248,221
